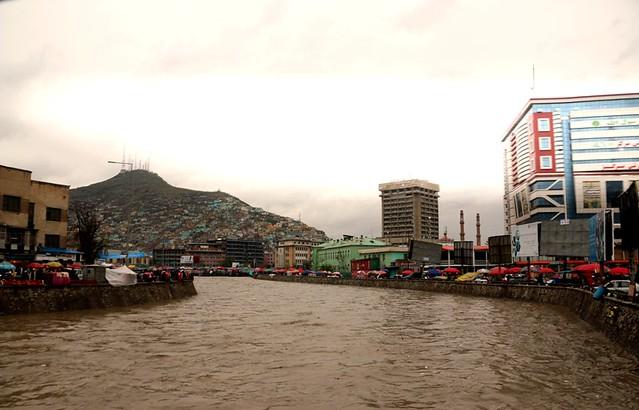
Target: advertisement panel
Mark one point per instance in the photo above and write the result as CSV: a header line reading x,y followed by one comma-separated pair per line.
x,y
500,250
463,252
525,240
600,239
567,240
629,213
429,253
186,259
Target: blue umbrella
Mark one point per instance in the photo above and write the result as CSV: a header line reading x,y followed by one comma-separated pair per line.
x,y
4,265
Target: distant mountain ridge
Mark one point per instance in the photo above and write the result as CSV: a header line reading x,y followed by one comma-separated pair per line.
x,y
142,209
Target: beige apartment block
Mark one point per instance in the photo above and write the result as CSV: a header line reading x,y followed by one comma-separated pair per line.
x,y
294,252
32,213
410,210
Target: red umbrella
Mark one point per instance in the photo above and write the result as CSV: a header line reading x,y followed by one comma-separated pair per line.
x,y
35,265
588,267
498,270
76,266
515,269
407,272
546,270
451,270
619,271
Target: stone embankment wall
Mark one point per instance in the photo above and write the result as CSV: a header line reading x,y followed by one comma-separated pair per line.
x,y
617,319
53,299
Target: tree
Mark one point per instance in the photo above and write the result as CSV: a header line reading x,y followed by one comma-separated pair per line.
x,y
88,223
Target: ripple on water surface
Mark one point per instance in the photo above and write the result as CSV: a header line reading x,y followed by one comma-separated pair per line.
x,y
243,343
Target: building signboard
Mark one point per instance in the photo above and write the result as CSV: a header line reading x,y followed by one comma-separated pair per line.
x,y
500,250
525,240
463,252
604,123
564,240
596,144
186,259
429,253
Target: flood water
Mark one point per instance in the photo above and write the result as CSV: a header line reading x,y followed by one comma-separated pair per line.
x,y
244,343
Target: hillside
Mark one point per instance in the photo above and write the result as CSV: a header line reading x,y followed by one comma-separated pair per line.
x,y
142,206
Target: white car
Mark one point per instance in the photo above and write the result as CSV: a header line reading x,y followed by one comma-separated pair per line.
x,y
618,286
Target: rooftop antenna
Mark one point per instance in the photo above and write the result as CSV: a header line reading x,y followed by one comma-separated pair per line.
x,y
532,88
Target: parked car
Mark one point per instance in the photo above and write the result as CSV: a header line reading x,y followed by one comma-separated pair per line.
x,y
565,278
618,287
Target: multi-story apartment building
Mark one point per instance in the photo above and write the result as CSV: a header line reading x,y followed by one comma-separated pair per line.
x,y
570,157
222,251
210,254
294,252
410,210
167,256
33,214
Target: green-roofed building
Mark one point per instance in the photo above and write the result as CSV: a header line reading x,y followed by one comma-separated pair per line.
x,y
336,255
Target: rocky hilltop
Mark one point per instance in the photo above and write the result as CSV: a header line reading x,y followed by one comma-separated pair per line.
x,y
140,208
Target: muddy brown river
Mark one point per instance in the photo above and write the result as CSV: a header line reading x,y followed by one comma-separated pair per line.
x,y
252,344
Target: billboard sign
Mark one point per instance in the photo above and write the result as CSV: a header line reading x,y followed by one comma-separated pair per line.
x,y
186,259
525,241
463,252
425,252
500,250
565,240
600,239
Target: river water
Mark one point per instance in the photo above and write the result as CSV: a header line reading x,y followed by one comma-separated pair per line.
x,y
244,343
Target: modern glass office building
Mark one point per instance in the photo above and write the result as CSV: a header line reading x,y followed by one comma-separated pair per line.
x,y
570,157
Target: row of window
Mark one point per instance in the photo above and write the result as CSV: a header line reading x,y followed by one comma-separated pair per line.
x,y
12,203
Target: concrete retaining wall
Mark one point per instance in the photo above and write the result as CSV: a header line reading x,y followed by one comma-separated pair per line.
x,y
53,299
618,320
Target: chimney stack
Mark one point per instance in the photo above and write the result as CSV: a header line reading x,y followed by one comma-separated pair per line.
x,y
462,235
478,239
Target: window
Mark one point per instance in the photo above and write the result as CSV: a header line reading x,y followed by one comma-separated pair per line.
x,y
11,203
52,241
613,190
544,143
543,124
54,214
545,162
592,194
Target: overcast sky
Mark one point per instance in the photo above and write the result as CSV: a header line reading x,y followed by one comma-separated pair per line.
x,y
299,107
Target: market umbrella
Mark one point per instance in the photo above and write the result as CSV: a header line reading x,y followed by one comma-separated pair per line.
x,y
76,266
35,265
588,267
407,272
54,264
514,269
451,270
619,271
4,265
483,270
545,270
498,270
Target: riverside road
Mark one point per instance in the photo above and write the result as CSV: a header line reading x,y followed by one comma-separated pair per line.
x,y
244,343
